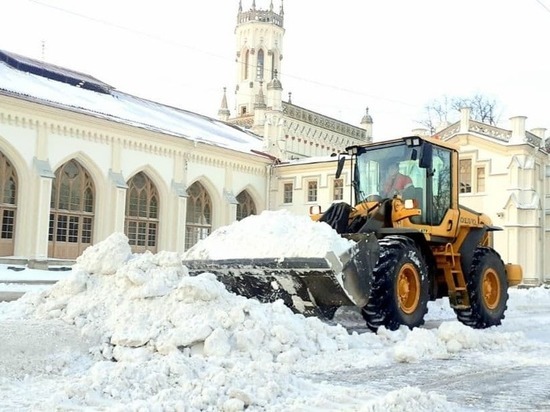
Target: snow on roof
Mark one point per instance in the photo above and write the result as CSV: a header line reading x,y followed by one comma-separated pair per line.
x,y
124,108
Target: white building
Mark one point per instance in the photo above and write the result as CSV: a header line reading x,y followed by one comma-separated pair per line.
x,y
505,173
80,160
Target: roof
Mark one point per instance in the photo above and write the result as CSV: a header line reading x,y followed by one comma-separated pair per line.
x,y
53,72
52,85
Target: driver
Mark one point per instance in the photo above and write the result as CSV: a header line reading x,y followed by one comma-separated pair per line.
x,y
395,181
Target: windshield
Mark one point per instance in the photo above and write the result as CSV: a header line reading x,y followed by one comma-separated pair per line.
x,y
387,171
394,170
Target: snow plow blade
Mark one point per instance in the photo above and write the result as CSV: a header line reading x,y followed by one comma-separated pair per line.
x,y
310,285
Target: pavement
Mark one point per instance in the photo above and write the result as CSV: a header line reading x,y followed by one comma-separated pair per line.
x,y
16,280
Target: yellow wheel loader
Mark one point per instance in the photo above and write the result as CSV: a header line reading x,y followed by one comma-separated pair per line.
x,y
413,243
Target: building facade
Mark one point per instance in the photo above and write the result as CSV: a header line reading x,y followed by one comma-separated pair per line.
x,y
80,160
71,176
505,173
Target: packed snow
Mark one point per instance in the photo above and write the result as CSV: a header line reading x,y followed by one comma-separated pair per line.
x,y
127,331
271,234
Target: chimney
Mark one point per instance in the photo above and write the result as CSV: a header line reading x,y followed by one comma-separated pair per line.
x,y
518,129
421,131
464,119
539,132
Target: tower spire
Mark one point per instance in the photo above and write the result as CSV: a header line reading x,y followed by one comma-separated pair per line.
x,y
260,99
223,113
240,6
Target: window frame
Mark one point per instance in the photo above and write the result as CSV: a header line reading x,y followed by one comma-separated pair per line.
x,y
312,193
336,189
286,192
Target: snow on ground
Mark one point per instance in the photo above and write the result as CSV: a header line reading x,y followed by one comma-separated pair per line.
x,y
154,338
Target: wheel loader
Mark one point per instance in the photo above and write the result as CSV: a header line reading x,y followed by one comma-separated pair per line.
x,y
413,243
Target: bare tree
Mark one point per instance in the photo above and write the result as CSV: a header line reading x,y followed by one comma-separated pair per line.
x,y
446,109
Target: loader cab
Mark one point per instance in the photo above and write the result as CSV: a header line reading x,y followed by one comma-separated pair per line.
x,y
423,170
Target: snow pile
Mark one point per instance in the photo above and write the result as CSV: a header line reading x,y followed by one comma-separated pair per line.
x,y
271,234
157,332
163,340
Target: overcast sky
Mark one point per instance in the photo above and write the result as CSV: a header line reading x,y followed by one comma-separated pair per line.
x,y
394,57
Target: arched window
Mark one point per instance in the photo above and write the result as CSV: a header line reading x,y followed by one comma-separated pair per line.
x,y
199,214
246,206
260,66
273,67
246,63
71,211
8,198
142,214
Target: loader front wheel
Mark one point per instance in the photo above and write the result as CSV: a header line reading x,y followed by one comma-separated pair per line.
x,y
400,286
487,289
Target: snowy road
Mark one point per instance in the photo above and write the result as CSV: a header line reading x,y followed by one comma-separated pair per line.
x,y
476,381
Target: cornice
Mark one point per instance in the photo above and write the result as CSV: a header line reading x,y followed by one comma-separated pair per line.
x,y
221,161
324,122
33,115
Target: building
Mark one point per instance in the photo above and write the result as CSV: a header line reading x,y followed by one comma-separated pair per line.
x,y
80,160
505,173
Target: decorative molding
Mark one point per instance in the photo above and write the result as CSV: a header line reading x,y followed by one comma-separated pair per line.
x,y
323,122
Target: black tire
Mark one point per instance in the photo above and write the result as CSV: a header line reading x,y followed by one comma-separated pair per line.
x,y
328,312
400,286
488,290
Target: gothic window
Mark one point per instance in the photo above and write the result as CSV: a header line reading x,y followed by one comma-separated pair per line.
x,y
142,214
199,214
71,211
246,64
8,198
260,66
246,206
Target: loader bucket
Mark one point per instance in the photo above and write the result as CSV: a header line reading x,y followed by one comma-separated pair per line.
x,y
307,285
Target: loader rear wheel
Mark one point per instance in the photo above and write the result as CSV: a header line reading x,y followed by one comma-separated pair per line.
x,y
400,286
487,289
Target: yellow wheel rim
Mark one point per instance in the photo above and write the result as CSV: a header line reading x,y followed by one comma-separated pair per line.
x,y
408,288
490,289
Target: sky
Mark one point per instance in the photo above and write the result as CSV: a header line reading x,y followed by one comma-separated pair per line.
x,y
123,331
338,58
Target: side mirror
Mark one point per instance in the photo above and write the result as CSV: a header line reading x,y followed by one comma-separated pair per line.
x,y
341,162
426,156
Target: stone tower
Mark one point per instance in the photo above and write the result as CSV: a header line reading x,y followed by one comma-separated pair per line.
x,y
288,131
259,36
